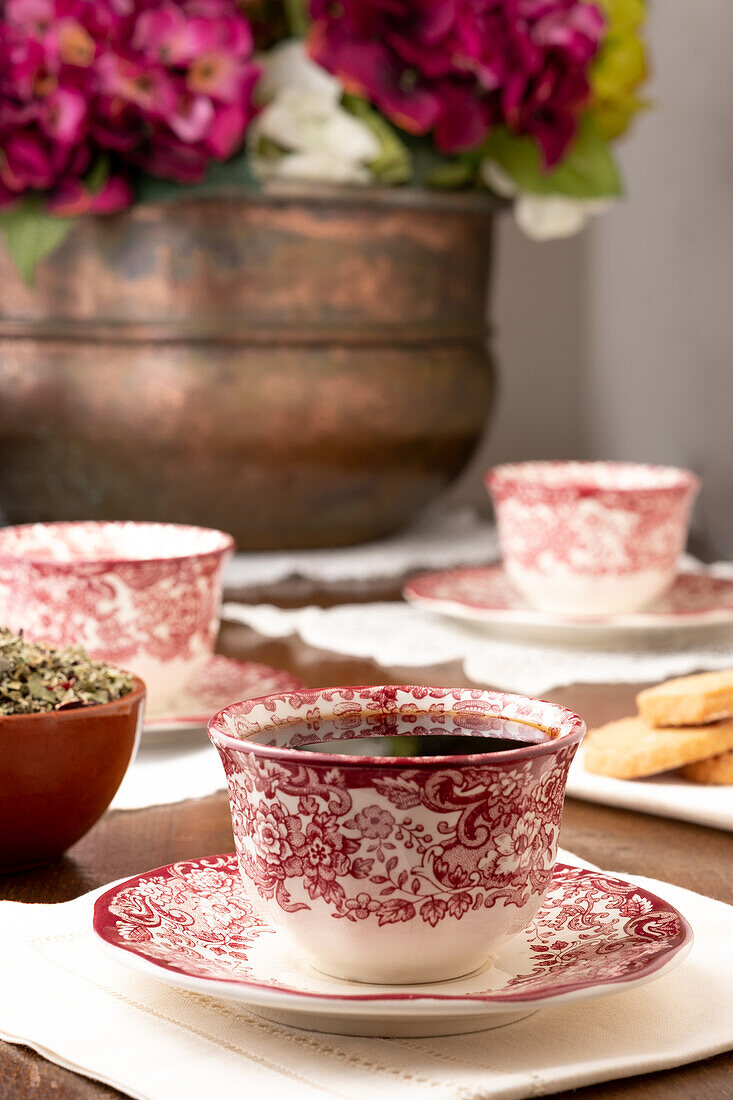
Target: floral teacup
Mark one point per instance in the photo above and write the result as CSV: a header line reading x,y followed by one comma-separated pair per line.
x,y
144,596
394,870
591,538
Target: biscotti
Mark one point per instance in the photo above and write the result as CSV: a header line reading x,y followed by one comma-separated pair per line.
x,y
716,771
630,748
688,701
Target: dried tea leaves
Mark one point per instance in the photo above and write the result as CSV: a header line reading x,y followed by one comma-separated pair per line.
x,y
35,678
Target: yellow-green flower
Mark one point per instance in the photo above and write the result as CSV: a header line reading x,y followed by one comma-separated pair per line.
x,y
620,67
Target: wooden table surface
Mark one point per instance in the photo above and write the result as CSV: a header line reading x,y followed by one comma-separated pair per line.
x,y
127,843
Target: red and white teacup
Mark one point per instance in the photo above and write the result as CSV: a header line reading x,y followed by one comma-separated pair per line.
x,y
394,870
591,538
143,596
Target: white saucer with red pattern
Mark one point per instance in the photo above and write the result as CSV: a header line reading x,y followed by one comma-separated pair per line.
x,y
224,680
191,925
484,594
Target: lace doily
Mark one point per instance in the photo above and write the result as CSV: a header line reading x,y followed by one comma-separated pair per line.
x,y
396,635
439,540
175,767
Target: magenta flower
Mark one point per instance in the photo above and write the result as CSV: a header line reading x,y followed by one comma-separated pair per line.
x,y
154,84
63,116
459,67
72,198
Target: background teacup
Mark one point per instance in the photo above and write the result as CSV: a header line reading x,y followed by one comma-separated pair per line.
x,y
143,596
591,538
394,870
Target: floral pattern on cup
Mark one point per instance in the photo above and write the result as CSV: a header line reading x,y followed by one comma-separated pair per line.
x,y
142,596
391,842
302,837
599,537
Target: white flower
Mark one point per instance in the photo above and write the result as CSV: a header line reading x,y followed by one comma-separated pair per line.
x,y
500,182
543,217
547,217
515,850
303,116
289,66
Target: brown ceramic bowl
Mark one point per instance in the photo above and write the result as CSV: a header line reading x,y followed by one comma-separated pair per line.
x,y
59,771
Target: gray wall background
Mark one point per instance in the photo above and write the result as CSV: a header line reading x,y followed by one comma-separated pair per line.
x,y
619,343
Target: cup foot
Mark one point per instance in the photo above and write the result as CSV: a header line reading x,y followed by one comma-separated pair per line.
x,y
393,1027
435,977
592,595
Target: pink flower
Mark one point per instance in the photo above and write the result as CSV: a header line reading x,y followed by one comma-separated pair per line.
x,y
157,84
151,91
324,853
361,906
459,67
517,849
275,833
269,834
374,822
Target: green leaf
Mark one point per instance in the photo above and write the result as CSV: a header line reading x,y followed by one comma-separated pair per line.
x,y
588,171
454,174
297,17
97,175
393,165
31,233
432,169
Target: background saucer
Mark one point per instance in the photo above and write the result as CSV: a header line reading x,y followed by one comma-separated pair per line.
x,y
224,680
484,594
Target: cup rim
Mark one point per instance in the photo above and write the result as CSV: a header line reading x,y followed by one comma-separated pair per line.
x,y
514,475
69,713
308,696
226,544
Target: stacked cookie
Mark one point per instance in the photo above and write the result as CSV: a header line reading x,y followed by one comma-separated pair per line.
x,y
684,724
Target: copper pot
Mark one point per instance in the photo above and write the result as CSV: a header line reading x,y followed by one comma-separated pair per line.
x,y
300,369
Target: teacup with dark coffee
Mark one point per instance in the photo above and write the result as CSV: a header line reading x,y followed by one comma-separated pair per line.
x,y
400,740
396,834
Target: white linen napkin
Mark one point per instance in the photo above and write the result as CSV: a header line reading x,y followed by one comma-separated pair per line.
x,y
65,998
178,765
665,795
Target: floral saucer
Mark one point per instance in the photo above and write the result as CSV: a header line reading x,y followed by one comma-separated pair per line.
x,y
191,925
484,594
223,681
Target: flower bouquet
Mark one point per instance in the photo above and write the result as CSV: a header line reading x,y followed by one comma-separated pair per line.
x,y
106,103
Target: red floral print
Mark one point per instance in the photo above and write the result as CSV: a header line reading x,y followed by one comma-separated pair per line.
x,y
391,843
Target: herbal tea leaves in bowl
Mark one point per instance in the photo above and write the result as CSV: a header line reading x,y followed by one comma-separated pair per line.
x,y
35,678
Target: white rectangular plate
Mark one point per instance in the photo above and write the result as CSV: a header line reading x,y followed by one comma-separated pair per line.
x,y
666,795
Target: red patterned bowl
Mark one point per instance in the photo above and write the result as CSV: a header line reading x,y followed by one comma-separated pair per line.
x,y
591,538
60,771
143,596
394,870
